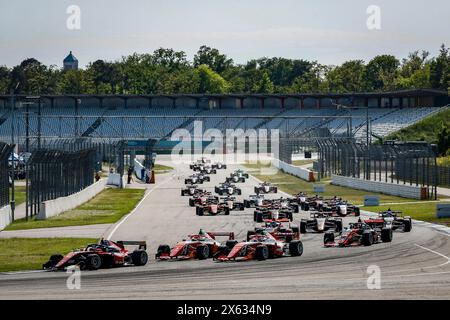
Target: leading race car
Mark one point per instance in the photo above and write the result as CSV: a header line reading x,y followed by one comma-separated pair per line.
x,y
320,222
105,254
357,234
200,246
391,219
219,165
260,247
265,187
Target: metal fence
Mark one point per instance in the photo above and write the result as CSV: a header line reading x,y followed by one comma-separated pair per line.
x,y
5,153
412,163
57,173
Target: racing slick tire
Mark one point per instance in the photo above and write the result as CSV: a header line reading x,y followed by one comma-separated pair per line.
x,y
202,252
200,211
261,253
407,225
357,212
239,191
328,237
230,244
386,234
338,227
367,239
246,204
182,193
241,207
139,257
221,250
275,189
250,234
53,261
296,208
306,207
227,211
93,262
303,227
259,217
290,216
191,202
186,181
163,248
296,248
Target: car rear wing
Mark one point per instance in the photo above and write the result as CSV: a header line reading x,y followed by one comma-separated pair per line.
x,y
230,235
142,244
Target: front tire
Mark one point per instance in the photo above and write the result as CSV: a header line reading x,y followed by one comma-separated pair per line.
x,y
296,248
202,252
93,262
262,253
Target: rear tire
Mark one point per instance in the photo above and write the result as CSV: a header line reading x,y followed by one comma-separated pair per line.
x,y
230,244
338,225
328,237
296,248
408,225
191,202
259,217
303,227
139,257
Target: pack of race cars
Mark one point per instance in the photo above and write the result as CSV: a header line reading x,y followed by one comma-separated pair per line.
x,y
276,234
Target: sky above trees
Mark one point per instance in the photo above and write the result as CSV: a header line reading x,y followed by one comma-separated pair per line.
x,y
328,31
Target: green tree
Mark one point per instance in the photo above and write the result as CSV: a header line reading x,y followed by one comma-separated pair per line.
x,y
4,80
213,59
440,70
381,73
210,81
32,76
444,139
264,85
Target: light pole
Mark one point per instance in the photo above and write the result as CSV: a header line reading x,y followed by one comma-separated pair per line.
x,y
13,167
368,134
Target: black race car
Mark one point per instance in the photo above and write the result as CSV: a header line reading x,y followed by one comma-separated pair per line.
x,y
265,187
227,189
320,222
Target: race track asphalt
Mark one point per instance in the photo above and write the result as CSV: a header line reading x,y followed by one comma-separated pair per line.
x,y
415,265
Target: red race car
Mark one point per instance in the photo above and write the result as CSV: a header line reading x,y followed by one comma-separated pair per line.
x,y
277,230
260,247
197,246
104,254
358,234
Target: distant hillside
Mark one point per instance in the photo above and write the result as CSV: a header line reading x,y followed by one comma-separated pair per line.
x,y
427,129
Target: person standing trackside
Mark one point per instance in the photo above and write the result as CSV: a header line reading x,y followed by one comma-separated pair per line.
x,y
130,174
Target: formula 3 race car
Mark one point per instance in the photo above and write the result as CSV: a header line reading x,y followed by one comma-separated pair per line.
x,y
320,222
259,247
277,230
275,213
196,178
191,190
227,189
358,234
219,165
202,198
391,219
265,187
105,254
200,246
214,208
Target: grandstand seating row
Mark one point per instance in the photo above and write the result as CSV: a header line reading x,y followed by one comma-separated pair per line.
x,y
138,122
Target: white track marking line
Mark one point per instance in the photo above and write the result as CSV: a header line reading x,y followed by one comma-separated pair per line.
x,y
137,206
435,252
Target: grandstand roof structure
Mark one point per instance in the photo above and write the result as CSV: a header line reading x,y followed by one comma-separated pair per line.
x,y
414,93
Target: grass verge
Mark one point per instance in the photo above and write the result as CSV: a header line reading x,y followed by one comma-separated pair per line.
x,y
420,211
19,194
292,185
159,168
107,207
19,254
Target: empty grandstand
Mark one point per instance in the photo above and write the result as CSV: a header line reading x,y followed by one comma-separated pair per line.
x,y
144,117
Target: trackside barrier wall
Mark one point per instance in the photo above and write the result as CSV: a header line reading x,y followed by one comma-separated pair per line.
x,y
52,208
299,172
405,191
5,217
